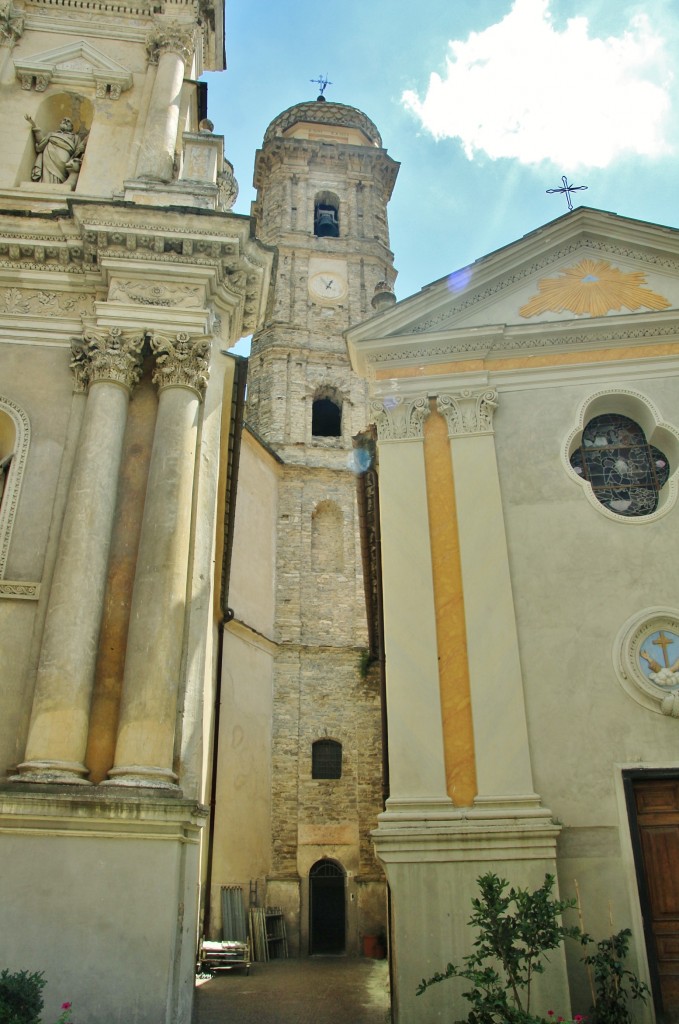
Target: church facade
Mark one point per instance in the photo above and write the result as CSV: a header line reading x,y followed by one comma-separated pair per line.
x,y
528,460
124,280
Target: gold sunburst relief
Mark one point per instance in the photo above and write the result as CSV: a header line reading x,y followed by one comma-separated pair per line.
x,y
593,287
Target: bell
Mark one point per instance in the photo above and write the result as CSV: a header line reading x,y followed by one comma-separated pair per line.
x,y
326,222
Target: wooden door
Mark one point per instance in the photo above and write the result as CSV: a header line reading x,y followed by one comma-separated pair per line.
x,y
656,805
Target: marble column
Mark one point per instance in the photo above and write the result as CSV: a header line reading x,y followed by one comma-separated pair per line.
x,y
417,771
500,730
146,730
169,45
108,365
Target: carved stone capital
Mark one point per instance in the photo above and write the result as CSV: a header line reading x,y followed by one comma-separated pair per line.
x,y
113,355
400,419
468,411
11,23
181,362
170,37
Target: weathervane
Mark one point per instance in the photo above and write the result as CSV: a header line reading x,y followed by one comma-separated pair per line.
x,y
322,82
566,190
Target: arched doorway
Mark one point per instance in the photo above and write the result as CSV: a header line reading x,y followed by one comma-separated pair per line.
x,y
327,918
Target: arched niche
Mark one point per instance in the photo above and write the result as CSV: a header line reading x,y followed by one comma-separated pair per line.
x,y
48,116
15,436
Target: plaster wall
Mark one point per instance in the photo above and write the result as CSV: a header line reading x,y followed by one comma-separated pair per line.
x,y
132,900
251,589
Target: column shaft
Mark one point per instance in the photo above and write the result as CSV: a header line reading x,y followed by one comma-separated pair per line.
x,y
170,44
146,730
57,736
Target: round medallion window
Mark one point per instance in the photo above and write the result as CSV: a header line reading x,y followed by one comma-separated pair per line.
x,y
647,659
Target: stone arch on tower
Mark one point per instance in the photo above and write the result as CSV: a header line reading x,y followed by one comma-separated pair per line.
x,y
327,419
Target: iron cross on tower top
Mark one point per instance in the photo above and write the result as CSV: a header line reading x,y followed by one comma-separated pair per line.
x,y
322,82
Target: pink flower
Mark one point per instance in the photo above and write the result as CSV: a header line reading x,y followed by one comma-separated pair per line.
x,y
66,1006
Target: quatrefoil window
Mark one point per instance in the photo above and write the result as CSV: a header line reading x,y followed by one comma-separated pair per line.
x,y
625,472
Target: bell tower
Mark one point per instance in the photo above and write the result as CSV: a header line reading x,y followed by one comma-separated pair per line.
x,y
323,182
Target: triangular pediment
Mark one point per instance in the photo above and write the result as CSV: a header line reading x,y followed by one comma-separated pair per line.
x,y
586,275
76,64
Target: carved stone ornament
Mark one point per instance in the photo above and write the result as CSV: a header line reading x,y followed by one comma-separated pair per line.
x,y
646,659
113,355
400,419
181,362
227,187
11,23
468,411
23,302
170,37
145,293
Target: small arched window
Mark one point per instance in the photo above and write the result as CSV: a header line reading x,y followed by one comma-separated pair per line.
x,y
326,215
326,418
326,760
626,473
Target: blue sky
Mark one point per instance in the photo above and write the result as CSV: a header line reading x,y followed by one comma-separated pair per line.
x,y
485,103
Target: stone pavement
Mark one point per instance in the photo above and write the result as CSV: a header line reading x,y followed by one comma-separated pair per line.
x,y
313,990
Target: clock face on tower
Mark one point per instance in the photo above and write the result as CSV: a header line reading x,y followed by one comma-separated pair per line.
x,y
328,285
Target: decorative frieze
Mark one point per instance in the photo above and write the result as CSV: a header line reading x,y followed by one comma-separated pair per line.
x,y
400,419
181,361
25,302
113,355
468,411
147,293
19,590
170,37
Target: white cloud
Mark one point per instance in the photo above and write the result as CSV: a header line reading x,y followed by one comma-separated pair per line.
x,y
523,89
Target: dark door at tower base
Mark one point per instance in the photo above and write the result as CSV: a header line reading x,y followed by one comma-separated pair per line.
x,y
327,932
655,808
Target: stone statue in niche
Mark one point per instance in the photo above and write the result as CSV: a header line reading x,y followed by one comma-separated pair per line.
x,y
59,154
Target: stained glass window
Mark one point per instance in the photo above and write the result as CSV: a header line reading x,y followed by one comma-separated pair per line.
x,y
626,473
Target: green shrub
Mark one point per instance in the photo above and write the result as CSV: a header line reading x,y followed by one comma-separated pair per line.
x,y
516,930
21,997
614,983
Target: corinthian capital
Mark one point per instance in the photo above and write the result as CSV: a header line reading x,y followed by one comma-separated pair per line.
x,y
181,362
400,419
113,355
172,37
468,411
11,23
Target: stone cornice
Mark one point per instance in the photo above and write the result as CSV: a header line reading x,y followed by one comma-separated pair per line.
x,y
494,341
369,163
84,238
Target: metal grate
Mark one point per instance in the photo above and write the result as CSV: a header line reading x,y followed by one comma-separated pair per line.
x,y
326,760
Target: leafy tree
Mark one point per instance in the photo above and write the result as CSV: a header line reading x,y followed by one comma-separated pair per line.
x,y
516,930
